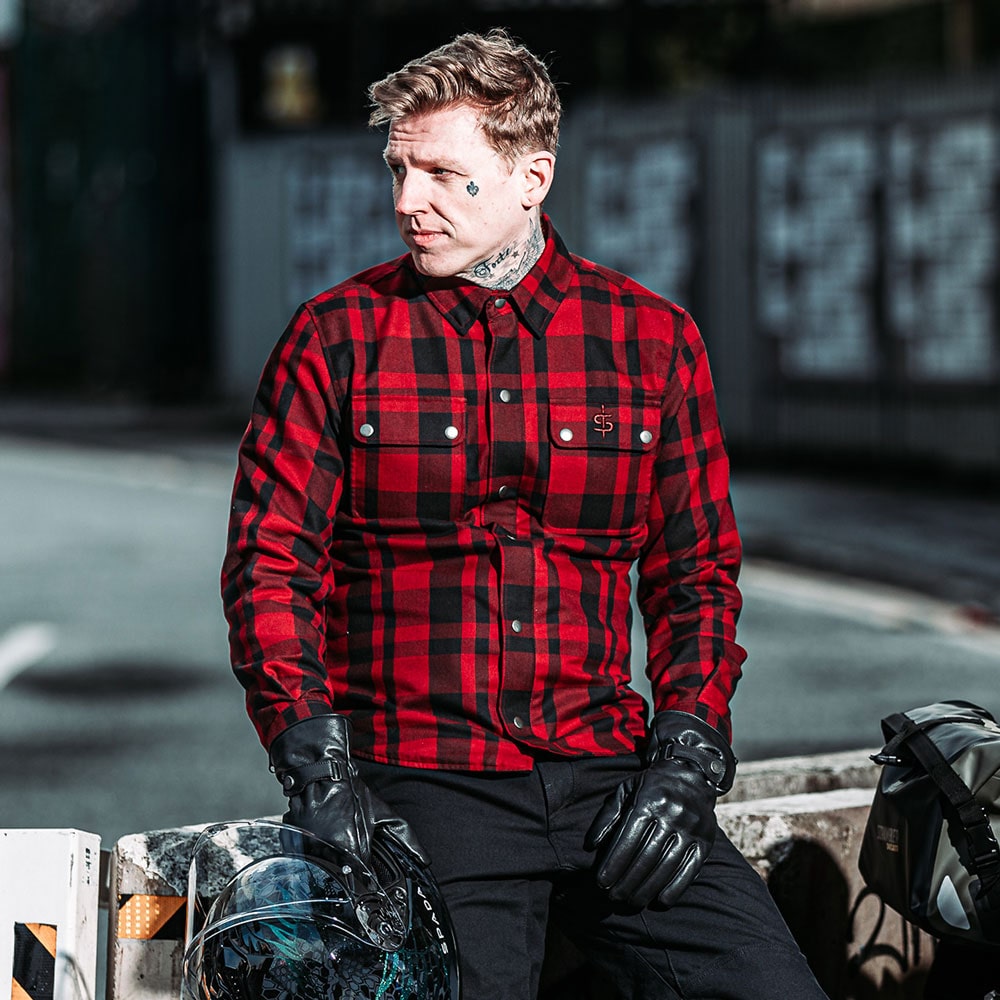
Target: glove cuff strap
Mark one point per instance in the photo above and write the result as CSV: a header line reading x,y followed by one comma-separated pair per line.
x,y
687,739
711,767
294,780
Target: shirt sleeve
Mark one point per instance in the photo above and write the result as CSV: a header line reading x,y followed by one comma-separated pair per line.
x,y
688,569
277,575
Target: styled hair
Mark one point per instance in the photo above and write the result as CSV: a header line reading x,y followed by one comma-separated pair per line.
x,y
519,108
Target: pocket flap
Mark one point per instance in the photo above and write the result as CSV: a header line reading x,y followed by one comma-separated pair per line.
x,y
617,428
409,421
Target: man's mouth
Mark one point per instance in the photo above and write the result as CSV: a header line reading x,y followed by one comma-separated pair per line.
x,y
424,237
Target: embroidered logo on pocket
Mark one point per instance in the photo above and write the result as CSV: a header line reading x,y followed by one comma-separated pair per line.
x,y
603,422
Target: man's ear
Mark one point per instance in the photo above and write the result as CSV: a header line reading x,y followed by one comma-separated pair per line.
x,y
537,170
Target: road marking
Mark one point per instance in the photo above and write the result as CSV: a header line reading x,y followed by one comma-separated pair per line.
x,y
209,474
23,646
881,606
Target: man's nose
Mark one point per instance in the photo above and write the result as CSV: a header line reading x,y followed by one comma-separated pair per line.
x,y
411,194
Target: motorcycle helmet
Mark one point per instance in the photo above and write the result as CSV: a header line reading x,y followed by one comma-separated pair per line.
x,y
277,914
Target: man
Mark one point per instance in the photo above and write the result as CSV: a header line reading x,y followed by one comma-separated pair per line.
x,y
454,460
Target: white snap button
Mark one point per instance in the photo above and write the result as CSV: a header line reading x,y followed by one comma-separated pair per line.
x,y
505,396
366,430
518,722
504,491
645,436
565,434
451,432
516,625
499,303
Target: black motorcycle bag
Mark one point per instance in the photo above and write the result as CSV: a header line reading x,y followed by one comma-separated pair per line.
x,y
930,847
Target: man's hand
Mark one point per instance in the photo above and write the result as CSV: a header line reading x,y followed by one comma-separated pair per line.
x,y
326,796
657,828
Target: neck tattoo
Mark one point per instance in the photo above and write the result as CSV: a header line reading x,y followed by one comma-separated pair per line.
x,y
506,268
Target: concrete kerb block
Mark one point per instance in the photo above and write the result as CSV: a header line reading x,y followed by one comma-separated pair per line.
x,y
782,776
806,847
148,878
798,820
147,912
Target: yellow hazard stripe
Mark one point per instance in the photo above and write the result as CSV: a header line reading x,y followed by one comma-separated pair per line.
x,y
34,966
46,935
144,917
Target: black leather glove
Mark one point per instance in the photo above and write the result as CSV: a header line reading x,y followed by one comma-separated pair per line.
x,y
326,796
656,829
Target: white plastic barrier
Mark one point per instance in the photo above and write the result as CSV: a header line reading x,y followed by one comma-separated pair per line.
x,y
49,902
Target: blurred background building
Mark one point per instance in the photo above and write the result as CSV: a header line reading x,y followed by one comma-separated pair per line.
x,y
818,181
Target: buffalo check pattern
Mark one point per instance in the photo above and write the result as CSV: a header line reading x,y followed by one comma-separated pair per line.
x,y
439,497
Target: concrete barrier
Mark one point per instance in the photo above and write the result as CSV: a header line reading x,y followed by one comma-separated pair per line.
x,y
782,776
806,848
799,822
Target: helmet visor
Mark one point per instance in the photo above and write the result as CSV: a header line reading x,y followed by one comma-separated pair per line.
x,y
274,912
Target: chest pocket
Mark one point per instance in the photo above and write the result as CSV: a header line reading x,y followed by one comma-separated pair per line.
x,y
407,458
601,464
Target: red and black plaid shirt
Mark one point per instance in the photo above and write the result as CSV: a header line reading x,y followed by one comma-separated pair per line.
x,y
439,498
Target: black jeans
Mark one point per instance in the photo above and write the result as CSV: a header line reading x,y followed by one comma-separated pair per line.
x,y
507,851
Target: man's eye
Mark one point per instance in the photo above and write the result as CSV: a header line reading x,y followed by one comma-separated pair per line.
x,y
442,172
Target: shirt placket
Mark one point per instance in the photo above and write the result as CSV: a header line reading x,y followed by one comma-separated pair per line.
x,y
510,440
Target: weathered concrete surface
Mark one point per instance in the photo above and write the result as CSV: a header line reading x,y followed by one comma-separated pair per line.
x,y
146,864
806,848
764,779
153,864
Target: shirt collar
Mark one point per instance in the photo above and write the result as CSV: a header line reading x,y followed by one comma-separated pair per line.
x,y
536,297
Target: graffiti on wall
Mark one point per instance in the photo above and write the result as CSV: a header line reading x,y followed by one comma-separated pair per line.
x,y
816,250
877,250
941,211
340,220
640,211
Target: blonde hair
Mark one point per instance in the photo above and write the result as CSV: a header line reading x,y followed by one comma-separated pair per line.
x,y
519,108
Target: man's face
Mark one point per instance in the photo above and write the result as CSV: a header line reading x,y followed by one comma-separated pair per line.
x,y
458,202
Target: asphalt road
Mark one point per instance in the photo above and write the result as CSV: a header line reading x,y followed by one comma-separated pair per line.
x,y
118,712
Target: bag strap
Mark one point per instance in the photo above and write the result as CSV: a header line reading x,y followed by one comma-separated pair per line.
x,y
984,851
